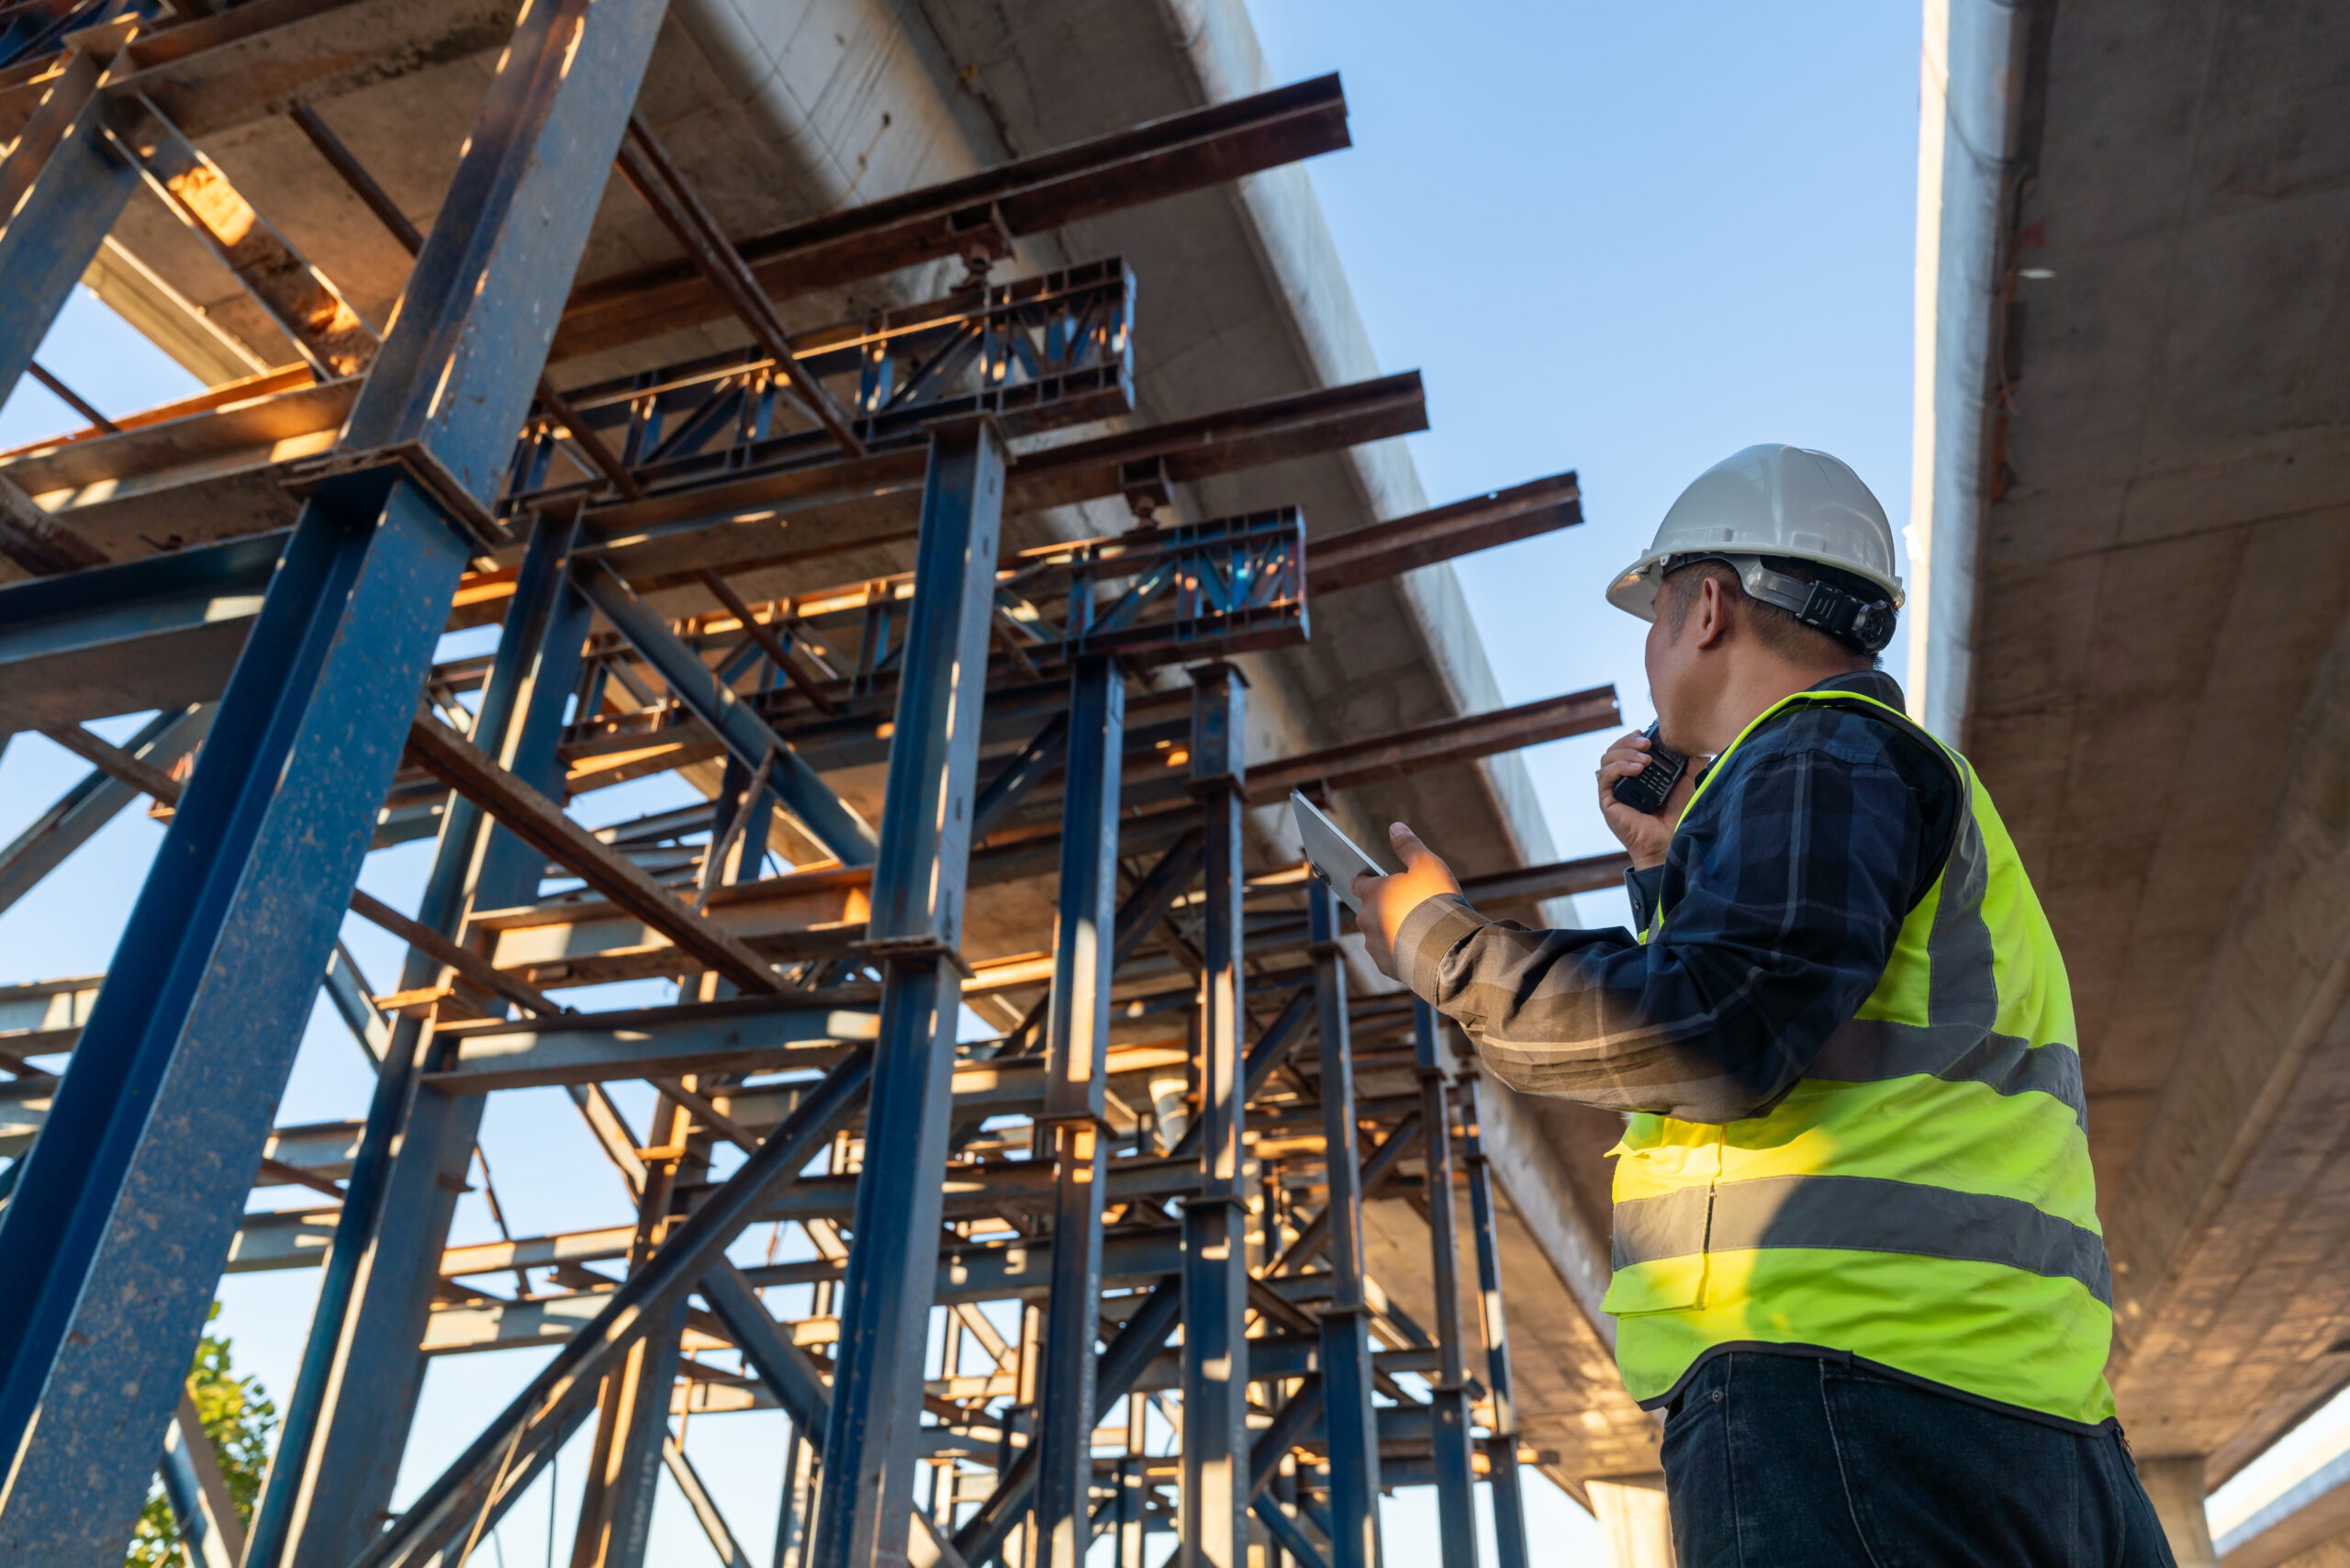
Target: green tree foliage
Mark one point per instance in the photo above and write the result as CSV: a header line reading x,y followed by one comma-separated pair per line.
x,y
237,1418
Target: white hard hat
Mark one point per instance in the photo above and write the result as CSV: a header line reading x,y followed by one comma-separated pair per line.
x,y
1768,500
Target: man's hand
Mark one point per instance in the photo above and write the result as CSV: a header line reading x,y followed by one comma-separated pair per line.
x,y
1387,900
1644,835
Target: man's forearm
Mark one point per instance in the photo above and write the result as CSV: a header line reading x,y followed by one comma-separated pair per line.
x,y
1551,1012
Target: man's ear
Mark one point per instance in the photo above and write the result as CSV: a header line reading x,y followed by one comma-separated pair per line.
x,y
1712,613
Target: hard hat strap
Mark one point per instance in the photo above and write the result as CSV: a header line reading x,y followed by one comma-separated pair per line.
x,y
1821,606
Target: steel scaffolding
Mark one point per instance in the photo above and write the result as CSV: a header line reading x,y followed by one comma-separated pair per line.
x,y
1167,1137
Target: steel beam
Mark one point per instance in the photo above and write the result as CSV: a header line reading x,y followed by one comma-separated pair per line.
x,y
915,928
1446,742
1123,1361
521,708
538,820
1076,1057
130,1198
62,187
198,1493
1214,1523
1389,549
1449,1396
986,210
1510,1548
78,814
483,1480
160,632
822,813
1560,878
1349,1417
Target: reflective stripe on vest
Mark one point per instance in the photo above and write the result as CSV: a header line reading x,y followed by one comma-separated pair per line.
x,y
1923,1197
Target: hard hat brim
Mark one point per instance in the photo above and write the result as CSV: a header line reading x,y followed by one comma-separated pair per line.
x,y
1635,588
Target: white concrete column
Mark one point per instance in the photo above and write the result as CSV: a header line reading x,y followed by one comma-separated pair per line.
x,y
2175,1482
1633,1522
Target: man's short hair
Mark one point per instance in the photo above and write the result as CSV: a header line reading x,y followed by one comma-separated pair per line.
x,y
1777,628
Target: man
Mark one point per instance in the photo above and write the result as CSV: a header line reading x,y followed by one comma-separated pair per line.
x,y
1857,1255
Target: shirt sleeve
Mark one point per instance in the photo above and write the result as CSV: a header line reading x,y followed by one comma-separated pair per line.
x,y
1785,899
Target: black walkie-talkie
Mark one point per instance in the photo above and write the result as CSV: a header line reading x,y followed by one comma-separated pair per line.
x,y
1646,791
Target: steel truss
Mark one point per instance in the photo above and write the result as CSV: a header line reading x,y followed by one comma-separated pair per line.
x,y
1184,1109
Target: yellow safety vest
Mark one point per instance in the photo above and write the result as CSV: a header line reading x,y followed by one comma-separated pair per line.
x,y
1923,1197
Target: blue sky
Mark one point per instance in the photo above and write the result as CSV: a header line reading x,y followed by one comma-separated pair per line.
x,y
1622,240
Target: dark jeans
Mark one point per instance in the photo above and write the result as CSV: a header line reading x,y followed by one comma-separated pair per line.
x,y
1799,1461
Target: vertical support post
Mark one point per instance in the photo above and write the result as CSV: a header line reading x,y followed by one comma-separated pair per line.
x,y
866,1495
1501,1448
132,1196
1455,1475
1130,1503
516,686
1214,1532
633,1421
794,1522
198,1493
371,1401
1349,1415
1077,1044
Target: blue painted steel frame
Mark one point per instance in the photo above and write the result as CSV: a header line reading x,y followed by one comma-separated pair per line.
x,y
1510,1547
1349,1415
1215,1522
746,737
336,1363
1455,1475
130,1198
49,233
1078,1036
866,1492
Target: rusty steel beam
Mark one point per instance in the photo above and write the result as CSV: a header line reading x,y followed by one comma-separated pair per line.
x,y
263,58
979,215
645,164
1531,884
37,542
540,824
1388,549
1358,763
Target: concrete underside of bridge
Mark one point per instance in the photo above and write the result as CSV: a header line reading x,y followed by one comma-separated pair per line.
x,y
2157,690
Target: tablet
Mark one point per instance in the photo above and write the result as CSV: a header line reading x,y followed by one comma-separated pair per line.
x,y
1329,853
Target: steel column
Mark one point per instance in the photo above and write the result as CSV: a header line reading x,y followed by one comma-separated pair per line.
x,y
1351,1420
1215,1524
130,1198
1455,1475
866,1494
367,1406
197,1493
632,1423
793,1521
1077,1035
1501,1448
283,1509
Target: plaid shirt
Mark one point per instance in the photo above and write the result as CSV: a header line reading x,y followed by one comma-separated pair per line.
x,y
1786,885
